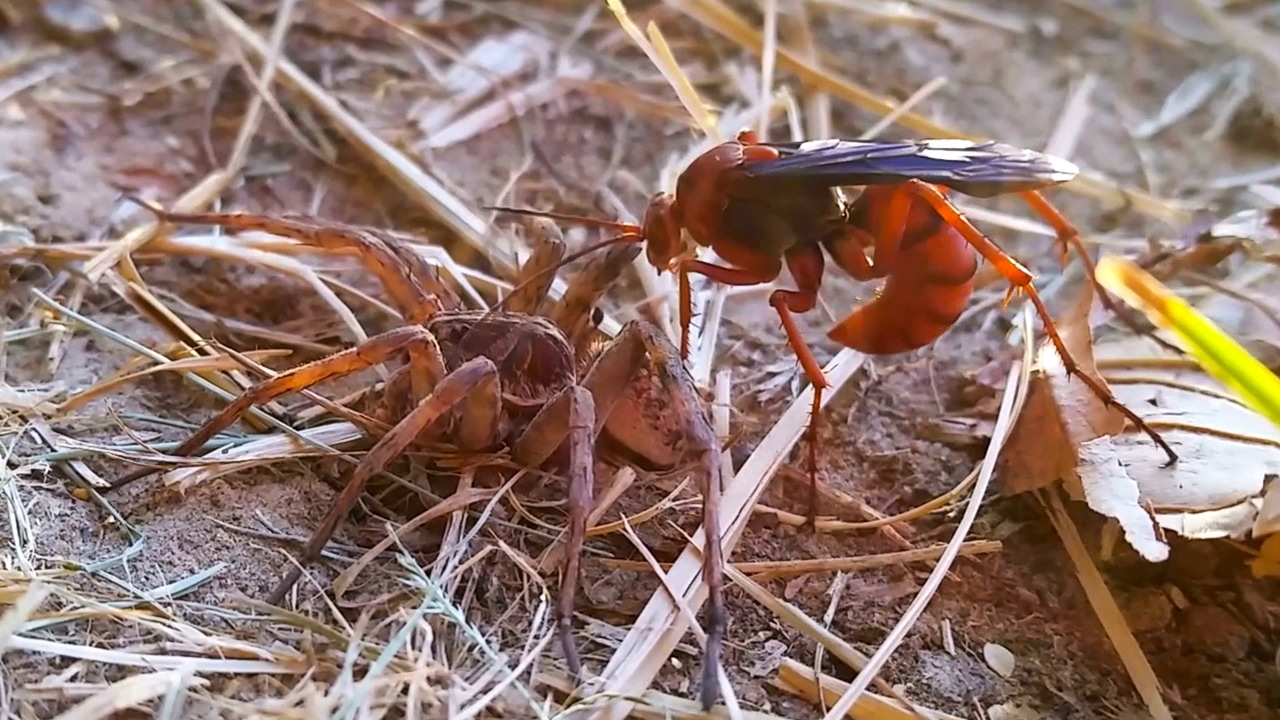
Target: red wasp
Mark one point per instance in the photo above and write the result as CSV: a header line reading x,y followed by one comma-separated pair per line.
x,y
758,205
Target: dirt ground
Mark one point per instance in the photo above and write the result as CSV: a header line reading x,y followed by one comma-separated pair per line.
x,y
84,119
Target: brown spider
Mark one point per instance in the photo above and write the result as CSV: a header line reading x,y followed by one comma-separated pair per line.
x,y
543,386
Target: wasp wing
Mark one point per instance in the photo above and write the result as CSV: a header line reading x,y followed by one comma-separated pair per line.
x,y
980,169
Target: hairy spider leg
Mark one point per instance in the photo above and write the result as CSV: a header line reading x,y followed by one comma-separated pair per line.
x,y
436,393
411,284
477,374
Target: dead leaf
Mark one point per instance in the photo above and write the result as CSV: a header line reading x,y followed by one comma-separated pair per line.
x,y
1074,438
1226,450
1038,453
1084,416
1267,563
1060,413
1108,489
1065,434
1268,520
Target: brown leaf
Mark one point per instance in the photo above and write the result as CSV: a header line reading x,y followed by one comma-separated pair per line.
x,y
1226,451
1060,412
1066,433
1038,452
1084,416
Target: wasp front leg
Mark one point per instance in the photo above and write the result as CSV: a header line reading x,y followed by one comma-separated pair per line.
x,y
806,264
760,272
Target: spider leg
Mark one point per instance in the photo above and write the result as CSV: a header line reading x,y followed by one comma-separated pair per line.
x,y
548,251
577,414
702,443
582,479
606,380
404,274
453,389
573,312
425,360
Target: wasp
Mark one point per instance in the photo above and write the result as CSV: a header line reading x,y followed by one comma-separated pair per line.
x,y
762,205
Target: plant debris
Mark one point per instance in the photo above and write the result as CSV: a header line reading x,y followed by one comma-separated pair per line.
x,y
120,338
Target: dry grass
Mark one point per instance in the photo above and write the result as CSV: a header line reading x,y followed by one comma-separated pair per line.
x,y
400,636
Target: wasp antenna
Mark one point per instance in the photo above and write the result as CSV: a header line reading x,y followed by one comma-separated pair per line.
x,y
624,237
580,219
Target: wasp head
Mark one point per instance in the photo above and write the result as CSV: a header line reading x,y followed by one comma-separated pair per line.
x,y
664,242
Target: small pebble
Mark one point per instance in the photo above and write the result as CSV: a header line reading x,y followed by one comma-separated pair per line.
x,y
956,677
1026,597
1012,711
1147,609
754,695
1000,659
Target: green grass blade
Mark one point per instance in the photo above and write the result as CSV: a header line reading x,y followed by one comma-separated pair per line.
x,y
1214,350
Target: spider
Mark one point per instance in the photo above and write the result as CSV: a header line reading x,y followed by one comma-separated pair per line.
x,y
533,377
